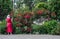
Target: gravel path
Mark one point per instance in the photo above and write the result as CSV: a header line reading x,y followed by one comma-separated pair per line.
x,y
29,37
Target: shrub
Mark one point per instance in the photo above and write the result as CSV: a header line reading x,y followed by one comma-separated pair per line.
x,y
56,31
3,30
43,30
48,27
35,28
17,31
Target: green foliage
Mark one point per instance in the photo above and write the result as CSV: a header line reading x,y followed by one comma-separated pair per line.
x,y
17,31
53,6
40,5
43,30
3,27
14,27
35,27
5,8
56,30
50,27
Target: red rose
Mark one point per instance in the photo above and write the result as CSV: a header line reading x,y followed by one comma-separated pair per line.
x,y
27,16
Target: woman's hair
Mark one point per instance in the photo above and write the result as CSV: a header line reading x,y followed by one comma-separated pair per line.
x,y
8,16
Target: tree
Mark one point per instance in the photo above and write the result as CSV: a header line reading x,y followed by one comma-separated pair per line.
x,y
5,8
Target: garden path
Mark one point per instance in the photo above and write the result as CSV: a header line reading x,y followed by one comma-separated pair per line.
x,y
29,37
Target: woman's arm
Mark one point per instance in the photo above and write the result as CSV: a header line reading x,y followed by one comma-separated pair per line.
x,y
11,19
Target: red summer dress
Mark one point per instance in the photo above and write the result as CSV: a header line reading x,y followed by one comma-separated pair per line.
x,y
9,25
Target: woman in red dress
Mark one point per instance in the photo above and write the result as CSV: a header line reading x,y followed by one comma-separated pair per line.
x,y
9,25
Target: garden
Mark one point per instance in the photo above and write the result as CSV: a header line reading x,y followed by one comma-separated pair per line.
x,y
31,16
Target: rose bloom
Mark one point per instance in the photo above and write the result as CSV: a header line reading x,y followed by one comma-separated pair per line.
x,y
39,12
27,16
